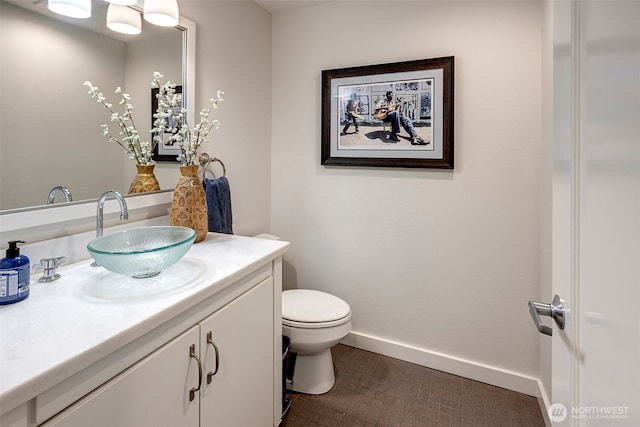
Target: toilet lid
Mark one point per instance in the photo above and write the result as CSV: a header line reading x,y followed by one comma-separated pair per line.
x,y
309,306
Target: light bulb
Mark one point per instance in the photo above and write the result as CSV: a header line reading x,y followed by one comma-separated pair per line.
x,y
123,2
72,8
123,19
162,12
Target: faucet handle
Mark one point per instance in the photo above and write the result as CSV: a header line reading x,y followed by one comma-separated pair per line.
x,y
48,267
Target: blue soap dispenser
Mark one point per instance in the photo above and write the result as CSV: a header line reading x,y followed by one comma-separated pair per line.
x,y
15,275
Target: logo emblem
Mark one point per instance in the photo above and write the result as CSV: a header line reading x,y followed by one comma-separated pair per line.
x,y
557,412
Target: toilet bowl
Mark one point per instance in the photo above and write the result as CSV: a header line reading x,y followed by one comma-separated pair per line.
x,y
314,322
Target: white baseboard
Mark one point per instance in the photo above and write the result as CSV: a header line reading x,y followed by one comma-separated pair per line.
x,y
454,365
543,401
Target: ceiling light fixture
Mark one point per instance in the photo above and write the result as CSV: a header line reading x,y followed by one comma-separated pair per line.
x,y
72,8
123,19
162,12
123,2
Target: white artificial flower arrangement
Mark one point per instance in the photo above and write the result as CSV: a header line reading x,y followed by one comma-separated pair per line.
x,y
171,117
140,151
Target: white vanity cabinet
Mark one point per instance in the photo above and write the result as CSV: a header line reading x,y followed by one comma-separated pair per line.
x,y
218,373
104,350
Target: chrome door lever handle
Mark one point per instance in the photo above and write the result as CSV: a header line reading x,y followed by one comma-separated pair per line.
x,y
554,310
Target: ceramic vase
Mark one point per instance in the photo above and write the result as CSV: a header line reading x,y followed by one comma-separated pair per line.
x,y
189,204
145,180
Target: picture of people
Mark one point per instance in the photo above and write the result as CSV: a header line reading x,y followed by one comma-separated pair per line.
x,y
389,115
393,115
351,114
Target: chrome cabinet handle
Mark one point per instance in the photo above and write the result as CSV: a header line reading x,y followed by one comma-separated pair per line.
x,y
215,349
192,353
554,310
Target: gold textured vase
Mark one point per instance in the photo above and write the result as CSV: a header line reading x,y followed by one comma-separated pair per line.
x,y
189,204
145,180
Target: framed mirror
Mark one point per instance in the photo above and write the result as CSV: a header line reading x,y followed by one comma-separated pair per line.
x,y
50,127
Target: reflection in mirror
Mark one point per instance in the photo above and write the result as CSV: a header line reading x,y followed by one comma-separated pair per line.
x,y
50,127
52,194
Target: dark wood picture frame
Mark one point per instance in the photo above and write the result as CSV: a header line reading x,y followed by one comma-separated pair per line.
x,y
423,93
163,152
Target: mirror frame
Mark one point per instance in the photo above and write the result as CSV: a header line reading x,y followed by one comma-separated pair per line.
x,y
44,216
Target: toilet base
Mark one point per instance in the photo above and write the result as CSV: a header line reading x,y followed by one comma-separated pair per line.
x,y
313,373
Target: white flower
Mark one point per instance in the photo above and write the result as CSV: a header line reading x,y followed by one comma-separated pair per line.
x,y
141,152
170,111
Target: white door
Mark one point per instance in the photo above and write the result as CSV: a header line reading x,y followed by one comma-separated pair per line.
x,y
238,389
596,213
153,392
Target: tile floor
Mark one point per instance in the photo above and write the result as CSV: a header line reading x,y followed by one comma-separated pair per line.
x,y
375,390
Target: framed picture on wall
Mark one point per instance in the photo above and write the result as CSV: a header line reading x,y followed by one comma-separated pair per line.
x,y
389,115
167,150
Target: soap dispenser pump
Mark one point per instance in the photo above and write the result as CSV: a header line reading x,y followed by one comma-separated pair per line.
x,y
15,275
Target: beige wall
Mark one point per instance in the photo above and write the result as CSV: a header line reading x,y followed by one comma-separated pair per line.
x,y
234,55
441,262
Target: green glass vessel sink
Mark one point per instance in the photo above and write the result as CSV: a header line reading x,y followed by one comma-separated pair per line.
x,y
142,252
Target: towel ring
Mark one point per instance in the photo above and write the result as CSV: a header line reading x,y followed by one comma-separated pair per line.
x,y
205,160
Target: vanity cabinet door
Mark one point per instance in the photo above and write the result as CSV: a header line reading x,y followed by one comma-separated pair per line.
x,y
153,392
238,390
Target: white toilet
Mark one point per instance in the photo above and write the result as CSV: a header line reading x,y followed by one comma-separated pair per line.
x,y
314,321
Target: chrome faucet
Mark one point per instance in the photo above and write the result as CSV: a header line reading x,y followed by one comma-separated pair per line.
x,y
54,190
124,213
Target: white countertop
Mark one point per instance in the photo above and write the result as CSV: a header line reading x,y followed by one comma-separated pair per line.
x,y
66,325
